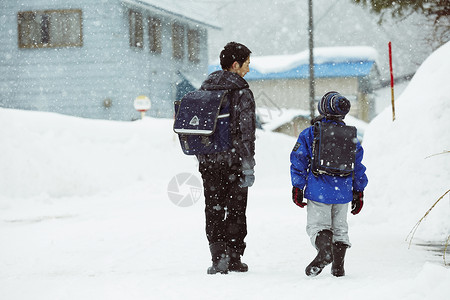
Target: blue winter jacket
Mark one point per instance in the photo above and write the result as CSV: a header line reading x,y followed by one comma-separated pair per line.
x,y
324,188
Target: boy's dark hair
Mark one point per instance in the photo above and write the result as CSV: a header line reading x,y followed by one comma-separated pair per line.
x,y
233,52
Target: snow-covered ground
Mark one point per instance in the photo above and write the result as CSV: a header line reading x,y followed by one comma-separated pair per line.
x,y
85,211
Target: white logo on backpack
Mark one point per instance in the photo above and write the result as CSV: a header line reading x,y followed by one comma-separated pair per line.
x,y
194,121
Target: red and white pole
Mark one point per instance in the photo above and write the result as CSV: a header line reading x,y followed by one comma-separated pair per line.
x,y
392,81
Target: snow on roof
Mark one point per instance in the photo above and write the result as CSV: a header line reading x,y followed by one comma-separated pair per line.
x,y
184,9
283,63
328,61
325,70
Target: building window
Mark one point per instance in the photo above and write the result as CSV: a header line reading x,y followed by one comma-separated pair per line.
x,y
136,29
50,28
194,45
155,35
178,41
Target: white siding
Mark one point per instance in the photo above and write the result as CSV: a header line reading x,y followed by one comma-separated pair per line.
x,y
77,80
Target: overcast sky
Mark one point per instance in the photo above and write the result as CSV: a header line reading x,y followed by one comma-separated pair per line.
x,y
271,27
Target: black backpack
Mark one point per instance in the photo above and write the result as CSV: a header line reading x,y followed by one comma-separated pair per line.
x,y
334,149
202,122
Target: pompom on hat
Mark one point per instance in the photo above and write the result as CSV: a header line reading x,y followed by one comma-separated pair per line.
x,y
334,104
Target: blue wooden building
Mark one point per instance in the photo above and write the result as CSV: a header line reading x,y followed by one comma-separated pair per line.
x,y
92,58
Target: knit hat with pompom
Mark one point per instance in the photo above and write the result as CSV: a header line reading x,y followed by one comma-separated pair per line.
x,y
334,104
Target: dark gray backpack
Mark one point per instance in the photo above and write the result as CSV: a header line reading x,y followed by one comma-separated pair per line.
x,y
334,149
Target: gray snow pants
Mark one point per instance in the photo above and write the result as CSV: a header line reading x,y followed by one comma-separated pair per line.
x,y
332,217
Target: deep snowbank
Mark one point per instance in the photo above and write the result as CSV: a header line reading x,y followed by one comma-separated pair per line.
x,y
46,153
405,180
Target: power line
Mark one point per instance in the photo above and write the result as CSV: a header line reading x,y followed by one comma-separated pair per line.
x,y
326,13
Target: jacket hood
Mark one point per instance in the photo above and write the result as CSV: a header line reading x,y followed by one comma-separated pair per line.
x,y
224,80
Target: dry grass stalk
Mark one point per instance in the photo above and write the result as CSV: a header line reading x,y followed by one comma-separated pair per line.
x,y
414,229
443,152
445,250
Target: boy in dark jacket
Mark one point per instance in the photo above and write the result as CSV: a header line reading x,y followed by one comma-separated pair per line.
x,y
327,196
228,175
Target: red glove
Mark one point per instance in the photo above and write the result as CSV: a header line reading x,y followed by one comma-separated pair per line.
x,y
297,197
357,202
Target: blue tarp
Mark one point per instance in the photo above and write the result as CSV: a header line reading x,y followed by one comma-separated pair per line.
x,y
326,70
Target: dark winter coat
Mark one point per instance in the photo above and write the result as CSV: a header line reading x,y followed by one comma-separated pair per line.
x,y
324,188
242,118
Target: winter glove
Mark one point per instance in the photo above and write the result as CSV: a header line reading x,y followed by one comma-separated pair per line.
x,y
357,202
247,178
297,197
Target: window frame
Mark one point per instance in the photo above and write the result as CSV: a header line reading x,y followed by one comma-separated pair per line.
x,y
154,34
193,43
136,29
178,41
40,35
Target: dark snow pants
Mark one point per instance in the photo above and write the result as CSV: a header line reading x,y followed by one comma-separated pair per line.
x,y
226,204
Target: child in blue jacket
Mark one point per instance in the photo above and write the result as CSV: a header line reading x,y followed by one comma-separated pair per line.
x,y
327,196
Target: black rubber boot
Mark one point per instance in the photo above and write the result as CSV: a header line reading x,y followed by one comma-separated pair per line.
x,y
220,259
235,261
324,253
337,268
